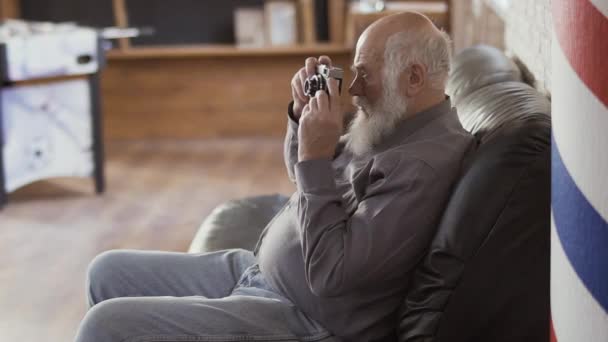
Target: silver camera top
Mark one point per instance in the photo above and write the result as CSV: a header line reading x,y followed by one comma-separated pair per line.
x,y
329,72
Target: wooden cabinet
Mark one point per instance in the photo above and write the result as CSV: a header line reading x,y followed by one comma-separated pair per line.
x,y
207,93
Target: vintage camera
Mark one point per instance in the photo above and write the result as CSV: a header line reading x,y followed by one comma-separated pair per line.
x,y
319,81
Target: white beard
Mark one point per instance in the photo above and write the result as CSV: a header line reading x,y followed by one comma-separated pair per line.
x,y
374,123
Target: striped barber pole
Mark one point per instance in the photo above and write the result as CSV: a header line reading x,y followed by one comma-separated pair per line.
x,y
579,222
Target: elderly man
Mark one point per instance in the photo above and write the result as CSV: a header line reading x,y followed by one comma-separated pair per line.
x,y
335,262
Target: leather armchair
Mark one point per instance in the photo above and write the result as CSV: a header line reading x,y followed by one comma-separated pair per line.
x,y
237,223
486,274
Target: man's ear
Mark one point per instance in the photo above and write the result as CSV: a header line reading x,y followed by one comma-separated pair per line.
x,y
415,79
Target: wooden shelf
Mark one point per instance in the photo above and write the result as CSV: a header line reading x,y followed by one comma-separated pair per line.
x,y
189,51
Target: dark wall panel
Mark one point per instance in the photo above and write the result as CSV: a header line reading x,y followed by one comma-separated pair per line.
x,y
97,13
174,21
186,21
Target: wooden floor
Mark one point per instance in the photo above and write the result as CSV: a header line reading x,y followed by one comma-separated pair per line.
x,y
158,194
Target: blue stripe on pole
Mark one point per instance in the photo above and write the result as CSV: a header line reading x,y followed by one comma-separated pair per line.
x,y
582,231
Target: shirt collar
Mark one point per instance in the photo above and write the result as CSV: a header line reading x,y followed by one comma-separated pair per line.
x,y
408,126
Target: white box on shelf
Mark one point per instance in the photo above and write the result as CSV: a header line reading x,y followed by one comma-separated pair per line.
x,y
281,22
249,27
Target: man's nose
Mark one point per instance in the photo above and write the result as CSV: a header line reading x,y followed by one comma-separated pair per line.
x,y
355,88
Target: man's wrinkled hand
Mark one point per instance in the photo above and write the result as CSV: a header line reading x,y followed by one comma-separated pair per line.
x,y
300,100
321,125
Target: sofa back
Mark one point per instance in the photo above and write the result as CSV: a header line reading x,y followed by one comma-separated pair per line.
x,y
486,274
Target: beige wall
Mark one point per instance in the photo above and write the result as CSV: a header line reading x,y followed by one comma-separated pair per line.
x,y
521,27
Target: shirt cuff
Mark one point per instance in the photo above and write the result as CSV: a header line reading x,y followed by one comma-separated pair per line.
x,y
315,176
291,115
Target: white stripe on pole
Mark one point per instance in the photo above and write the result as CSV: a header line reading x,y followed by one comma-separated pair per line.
x,y
580,128
601,6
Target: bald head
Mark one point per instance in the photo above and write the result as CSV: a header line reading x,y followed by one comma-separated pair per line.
x,y
401,67
378,33
408,40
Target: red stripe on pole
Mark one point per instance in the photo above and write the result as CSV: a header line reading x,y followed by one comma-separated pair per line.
x,y
582,31
552,337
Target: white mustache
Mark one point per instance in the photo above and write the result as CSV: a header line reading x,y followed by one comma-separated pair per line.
x,y
359,101
373,123
362,104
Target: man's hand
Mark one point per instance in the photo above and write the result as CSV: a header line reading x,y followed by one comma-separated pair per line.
x,y
321,125
297,83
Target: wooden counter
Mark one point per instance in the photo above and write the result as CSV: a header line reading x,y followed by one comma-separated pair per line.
x,y
204,92
189,51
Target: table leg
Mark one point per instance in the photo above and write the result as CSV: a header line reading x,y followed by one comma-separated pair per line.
x,y
98,151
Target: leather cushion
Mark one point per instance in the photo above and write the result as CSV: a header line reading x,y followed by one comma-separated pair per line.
x,y
236,224
479,66
488,110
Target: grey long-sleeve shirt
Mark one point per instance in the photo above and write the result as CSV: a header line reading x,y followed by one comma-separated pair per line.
x,y
344,246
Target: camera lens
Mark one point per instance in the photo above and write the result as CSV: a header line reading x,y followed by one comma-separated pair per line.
x,y
311,86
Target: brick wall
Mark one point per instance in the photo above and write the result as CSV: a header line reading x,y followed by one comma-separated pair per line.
x,y
521,27
528,26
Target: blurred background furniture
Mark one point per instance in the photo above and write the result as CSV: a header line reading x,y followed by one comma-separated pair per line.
x,y
486,275
200,76
199,70
50,104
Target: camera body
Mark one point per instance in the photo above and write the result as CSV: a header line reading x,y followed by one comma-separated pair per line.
x,y
319,81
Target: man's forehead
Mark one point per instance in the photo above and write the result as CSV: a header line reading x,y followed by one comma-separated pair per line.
x,y
368,48
364,57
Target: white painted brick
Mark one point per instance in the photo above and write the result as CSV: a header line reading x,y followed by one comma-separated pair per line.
x,y
528,27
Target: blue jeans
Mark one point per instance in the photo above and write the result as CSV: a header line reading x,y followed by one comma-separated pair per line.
x,y
138,296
